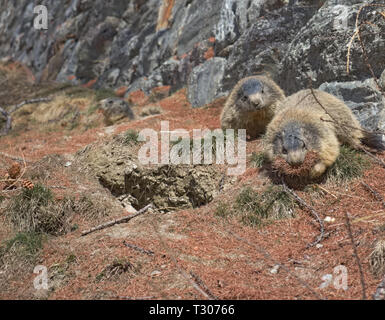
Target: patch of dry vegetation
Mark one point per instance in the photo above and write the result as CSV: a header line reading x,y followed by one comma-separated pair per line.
x,y
256,209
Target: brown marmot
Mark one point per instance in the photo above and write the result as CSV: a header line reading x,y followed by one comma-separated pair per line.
x,y
251,105
302,125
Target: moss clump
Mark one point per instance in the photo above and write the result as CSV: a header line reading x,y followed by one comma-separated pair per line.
x,y
131,137
102,94
26,244
36,211
257,209
257,159
349,165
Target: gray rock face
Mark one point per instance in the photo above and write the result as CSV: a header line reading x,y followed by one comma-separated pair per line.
x,y
319,51
365,100
205,82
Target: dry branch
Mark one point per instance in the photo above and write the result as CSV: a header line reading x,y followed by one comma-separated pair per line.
x,y
375,193
139,249
117,221
8,117
348,226
200,283
139,298
312,210
6,155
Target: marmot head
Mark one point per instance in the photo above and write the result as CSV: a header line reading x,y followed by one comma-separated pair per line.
x,y
294,141
254,94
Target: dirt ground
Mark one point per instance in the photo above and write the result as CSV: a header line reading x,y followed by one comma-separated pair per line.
x,y
185,249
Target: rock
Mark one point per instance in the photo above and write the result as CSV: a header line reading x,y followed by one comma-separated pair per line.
x,y
262,46
140,45
205,82
155,273
275,269
329,219
365,100
115,109
320,50
169,187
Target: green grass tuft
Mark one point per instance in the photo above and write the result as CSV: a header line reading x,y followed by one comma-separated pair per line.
x,y
349,165
102,94
27,243
223,210
36,211
131,137
257,159
256,209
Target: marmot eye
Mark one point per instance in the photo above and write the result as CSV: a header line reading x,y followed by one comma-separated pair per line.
x,y
244,98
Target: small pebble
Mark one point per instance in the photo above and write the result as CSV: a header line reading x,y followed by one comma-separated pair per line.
x,y
319,246
275,269
156,273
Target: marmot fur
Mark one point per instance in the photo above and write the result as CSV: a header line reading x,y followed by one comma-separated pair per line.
x,y
251,105
302,125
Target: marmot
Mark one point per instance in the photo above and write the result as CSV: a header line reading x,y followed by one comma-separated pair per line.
x,y
302,125
251,105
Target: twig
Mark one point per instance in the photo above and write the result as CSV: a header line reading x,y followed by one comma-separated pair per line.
x,y
268,257
328,192
200,283
139,298
376,159
139,249
375,193
6,155
348,226
117,221
314,213
7,114
31,101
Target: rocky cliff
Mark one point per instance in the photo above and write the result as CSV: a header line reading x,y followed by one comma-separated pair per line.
x,y
204,45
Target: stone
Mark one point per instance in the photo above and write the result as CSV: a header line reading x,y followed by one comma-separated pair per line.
x,y
365,100
320,50
205,82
